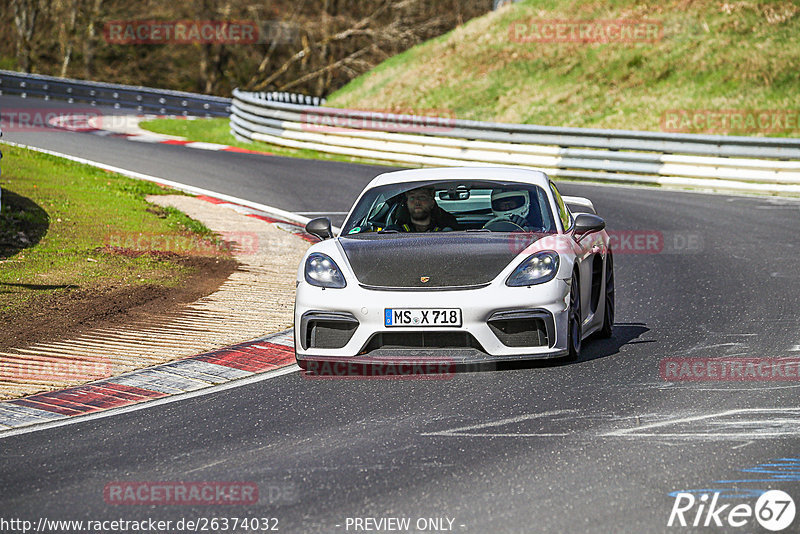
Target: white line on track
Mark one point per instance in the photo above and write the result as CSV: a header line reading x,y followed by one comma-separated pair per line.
x,y
150,404
277,212
767,430
463,431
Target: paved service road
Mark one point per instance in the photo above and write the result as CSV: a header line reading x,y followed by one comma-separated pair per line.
x,y
593,446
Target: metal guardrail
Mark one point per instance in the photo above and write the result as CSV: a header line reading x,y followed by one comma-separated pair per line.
x,y
726,162
141,99
288,98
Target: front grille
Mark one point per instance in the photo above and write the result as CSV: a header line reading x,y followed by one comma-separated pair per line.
x,y
532,328
323,330
422,339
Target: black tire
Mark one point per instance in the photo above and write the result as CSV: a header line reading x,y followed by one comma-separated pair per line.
x,y
574,321
609,301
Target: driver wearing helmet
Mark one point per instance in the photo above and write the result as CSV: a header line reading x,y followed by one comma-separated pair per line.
x,y
511,207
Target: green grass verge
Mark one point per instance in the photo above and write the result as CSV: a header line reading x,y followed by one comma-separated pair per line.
x,y
58,217
218,131
712,56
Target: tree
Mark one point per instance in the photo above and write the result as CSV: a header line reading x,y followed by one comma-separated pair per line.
x,y
309,46
93,15
25,14
345,38
66,13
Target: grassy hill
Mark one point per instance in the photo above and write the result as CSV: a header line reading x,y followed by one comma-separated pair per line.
x,y
710,55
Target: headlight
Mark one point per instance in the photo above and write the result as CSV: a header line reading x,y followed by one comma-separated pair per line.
x,y
537,269
322,271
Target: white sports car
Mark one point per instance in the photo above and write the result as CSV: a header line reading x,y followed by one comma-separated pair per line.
x,y
464,264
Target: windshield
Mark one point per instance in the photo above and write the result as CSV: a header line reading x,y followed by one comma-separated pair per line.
x,y
451,206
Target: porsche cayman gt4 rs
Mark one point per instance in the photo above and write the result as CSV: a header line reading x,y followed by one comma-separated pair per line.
x,y
468,264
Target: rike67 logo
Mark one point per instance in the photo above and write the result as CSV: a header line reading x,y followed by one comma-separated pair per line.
x,y
774,510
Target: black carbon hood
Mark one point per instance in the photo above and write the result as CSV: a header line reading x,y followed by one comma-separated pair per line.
x,y
446,259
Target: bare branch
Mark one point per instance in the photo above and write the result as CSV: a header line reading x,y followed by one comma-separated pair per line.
x,y
310,76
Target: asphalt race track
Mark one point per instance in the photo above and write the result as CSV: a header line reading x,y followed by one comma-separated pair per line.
x,y
256,178
593,446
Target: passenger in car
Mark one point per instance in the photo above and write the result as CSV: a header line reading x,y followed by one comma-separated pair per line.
x,y
514,207
421,213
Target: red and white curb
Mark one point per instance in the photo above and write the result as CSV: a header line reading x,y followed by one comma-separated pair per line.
x,y
198,372
208,372
155,138
127,126
192,374
212,371
288,226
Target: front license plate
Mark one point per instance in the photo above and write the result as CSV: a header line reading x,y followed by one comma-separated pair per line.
x,y
422,317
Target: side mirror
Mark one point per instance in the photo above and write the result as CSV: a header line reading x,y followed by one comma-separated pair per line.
x,y
586,223
320,227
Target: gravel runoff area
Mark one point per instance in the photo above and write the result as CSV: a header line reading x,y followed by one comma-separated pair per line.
x,y
257,299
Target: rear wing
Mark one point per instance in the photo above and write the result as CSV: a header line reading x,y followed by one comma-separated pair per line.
x,y
580,202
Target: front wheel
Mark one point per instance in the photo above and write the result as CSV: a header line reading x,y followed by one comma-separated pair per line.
x,y
575,324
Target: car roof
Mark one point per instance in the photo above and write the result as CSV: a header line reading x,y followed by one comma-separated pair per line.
x,y
503,174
